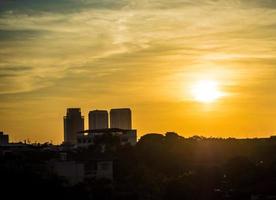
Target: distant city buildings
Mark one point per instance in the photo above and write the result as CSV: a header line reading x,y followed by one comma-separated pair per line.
x,y
121,118
98,122
98,119
73,123
4,139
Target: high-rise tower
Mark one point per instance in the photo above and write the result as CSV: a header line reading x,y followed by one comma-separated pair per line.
x,y
73,123
98,119
121,118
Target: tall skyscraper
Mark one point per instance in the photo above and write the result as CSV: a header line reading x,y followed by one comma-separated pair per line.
x,y
73,123
121,118
98,119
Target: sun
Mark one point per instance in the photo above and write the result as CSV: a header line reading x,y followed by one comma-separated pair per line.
x,y
206,91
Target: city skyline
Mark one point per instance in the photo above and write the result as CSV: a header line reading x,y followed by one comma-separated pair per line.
x,y
98,124
74,122
203,67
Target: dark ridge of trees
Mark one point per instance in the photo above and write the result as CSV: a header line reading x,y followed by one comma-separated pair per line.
x,y
158,167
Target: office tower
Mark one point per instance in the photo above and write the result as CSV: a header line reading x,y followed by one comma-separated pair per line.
x,y
98,119
120,118
73,123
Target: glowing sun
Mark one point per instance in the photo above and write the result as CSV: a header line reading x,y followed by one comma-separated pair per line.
x,y
206,91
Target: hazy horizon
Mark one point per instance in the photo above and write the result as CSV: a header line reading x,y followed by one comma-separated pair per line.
x,y
154,56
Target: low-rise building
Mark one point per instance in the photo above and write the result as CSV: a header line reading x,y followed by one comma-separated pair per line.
x,y
101,168
71,171
76,171
86,138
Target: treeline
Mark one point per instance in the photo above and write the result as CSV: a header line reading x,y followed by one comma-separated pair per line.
x,y
172,167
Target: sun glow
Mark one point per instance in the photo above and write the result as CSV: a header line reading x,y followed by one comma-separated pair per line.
x,y
206,91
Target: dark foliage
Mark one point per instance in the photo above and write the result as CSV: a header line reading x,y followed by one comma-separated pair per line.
x,y
158,167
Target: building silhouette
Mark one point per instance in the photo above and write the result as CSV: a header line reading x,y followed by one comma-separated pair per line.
x,y
125,136
73,123
4,139
121,118
98,119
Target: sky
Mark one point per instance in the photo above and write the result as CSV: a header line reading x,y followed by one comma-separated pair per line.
x,y
142,54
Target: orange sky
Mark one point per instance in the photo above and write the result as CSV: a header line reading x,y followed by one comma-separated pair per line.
x,y
146,55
